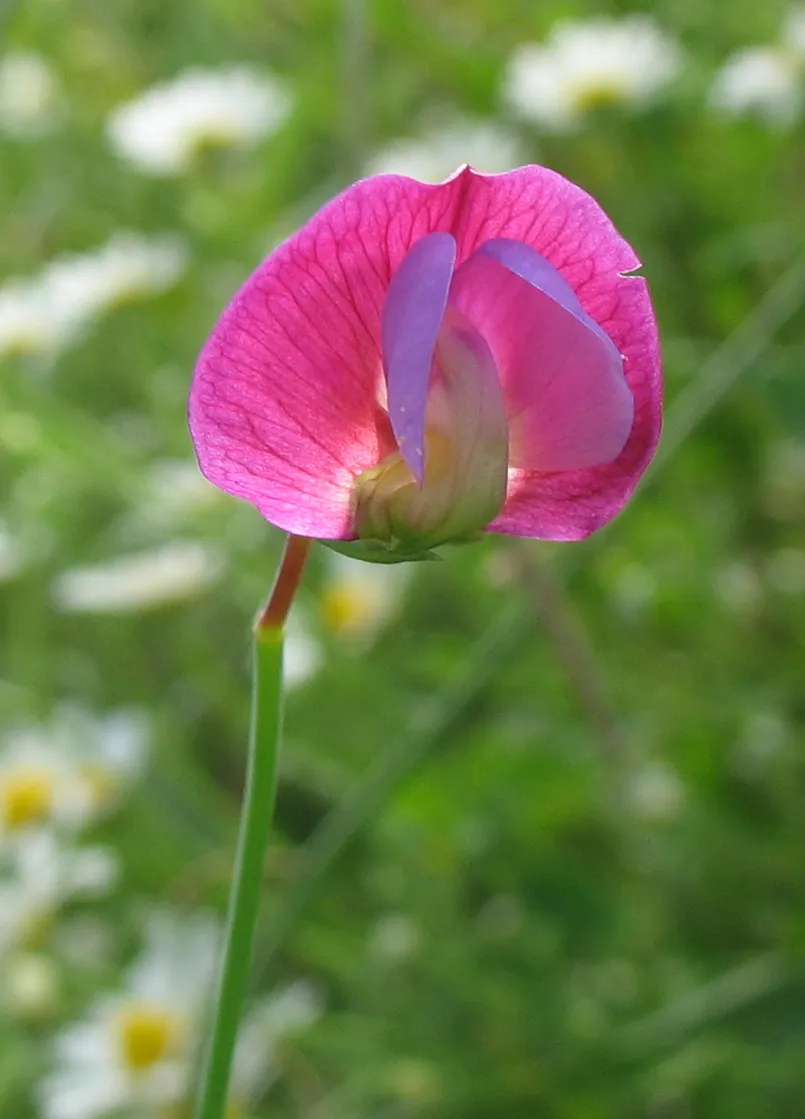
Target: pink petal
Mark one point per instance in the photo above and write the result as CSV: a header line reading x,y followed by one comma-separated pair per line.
x,y
284,405
412,315
568,402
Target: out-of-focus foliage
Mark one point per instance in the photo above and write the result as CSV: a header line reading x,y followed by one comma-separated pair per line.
x,y
587,898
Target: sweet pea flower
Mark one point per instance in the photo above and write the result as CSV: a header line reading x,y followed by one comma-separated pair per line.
x,y
421,363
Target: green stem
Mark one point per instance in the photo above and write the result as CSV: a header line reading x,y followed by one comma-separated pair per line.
x,y
255,829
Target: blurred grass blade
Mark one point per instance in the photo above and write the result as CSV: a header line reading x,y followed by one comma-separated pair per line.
x,y
732,358
255,828
750,981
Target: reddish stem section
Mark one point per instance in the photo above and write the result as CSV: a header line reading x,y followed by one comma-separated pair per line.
x,y
289,575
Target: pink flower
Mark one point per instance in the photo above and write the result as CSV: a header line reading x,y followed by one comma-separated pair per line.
x,y
421,362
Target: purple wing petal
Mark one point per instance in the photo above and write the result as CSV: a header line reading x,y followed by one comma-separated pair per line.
x,y
412,315
531,266
569,404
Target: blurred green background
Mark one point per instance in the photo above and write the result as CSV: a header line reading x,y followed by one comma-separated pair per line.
x,y
569,879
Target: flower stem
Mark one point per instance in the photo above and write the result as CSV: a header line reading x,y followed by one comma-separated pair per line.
x,y
273,614
255,829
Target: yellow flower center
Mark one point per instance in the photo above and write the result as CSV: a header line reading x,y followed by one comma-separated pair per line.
x,y
147,1033
601,93
345,608
26,796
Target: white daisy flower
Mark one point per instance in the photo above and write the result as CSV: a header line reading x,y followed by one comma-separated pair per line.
x,y
70,771
129,267
42,314
765,80
38,874
583,65
28,95
136,1047
435,155
140,581
39,784
358,599
160,131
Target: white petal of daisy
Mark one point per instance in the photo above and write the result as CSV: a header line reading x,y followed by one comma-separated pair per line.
x,y
435,154
44,313
28,322
291,1009
160,131
85,1041
28,95
77,1095
39,874
94,870
180,958
141,581
128,267
762,80
586,64
284,1014
108,751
